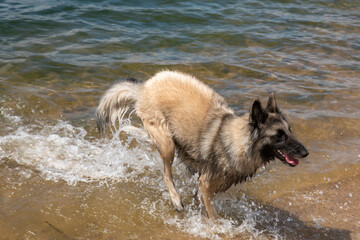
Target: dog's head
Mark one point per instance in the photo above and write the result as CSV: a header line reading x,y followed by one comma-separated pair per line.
x,y
272,134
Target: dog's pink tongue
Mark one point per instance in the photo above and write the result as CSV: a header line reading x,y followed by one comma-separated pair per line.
x,y
292,161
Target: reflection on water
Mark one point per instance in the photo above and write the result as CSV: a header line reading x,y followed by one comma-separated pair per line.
x,y
59,180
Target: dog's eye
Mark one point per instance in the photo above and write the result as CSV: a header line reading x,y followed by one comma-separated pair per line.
x,y
280,134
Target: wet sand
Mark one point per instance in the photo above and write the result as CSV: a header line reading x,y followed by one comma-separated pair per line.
x,y
40,209
334,205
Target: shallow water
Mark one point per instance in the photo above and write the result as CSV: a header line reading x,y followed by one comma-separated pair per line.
x,y
59,180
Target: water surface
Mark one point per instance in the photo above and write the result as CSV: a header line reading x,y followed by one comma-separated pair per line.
x,y
59,180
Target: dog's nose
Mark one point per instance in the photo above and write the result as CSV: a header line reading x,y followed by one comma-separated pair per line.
x,y
304,152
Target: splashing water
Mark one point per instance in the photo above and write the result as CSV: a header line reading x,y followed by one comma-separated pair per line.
x,y
62,151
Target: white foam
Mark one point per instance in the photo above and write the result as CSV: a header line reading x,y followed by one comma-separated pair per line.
x,y
62,151
243,219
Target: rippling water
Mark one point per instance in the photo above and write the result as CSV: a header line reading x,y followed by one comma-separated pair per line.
x,y
58,180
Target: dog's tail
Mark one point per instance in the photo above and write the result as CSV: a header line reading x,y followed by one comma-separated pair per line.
x,y
116,102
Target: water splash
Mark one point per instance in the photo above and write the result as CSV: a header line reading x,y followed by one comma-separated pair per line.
x,y
63,151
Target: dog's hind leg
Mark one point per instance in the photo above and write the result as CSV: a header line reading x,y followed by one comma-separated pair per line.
x,y
164,142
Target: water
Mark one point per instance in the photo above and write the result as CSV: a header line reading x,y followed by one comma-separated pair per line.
x,y
59,180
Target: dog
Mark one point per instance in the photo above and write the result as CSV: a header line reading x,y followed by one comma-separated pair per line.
x,y
180,113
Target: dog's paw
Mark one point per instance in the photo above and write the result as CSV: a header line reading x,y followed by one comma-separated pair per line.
x,y
176,200
179,206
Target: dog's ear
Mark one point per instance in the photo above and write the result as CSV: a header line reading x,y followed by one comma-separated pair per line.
x,y
257,113
271,105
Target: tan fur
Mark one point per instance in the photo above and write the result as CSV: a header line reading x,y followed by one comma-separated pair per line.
x,y
116,102
181,113
171,98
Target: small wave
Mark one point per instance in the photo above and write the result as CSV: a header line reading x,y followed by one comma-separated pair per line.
x,y
63,152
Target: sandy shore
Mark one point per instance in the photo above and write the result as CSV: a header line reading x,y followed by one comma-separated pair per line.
x,y
336,205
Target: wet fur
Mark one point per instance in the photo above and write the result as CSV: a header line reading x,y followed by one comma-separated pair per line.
x,y
182,114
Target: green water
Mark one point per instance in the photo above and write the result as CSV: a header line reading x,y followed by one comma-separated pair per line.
x,y
58,180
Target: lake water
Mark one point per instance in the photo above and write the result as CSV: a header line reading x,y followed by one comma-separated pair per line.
x,y
59,180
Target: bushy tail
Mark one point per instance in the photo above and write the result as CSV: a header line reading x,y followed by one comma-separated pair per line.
x,y
116,102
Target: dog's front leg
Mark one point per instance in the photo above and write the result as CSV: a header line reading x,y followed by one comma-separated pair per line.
x,y
208,189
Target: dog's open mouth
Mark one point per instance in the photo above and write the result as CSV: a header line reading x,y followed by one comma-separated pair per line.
x,y
286,158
